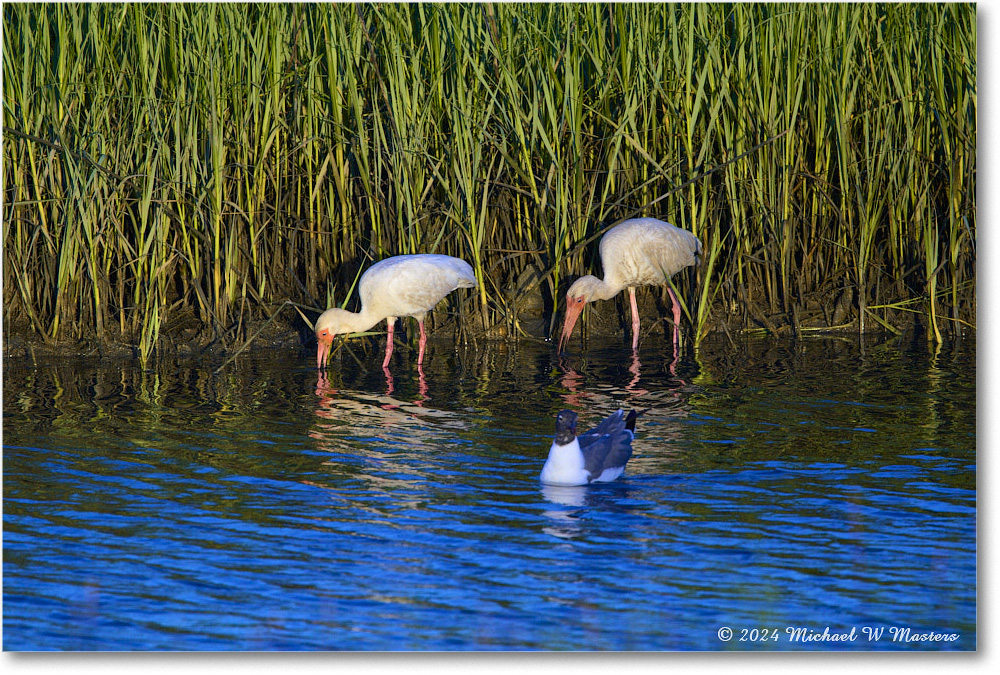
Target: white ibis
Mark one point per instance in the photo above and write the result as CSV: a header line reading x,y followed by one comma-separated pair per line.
x,y
637,252
404,285
597,456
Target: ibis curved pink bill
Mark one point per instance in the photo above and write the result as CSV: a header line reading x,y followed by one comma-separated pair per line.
x,y
636,252
404,285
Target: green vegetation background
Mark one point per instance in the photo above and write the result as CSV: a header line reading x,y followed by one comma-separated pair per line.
x,y
215,161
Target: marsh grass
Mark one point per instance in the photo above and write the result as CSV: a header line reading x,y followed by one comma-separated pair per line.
x,y
216,161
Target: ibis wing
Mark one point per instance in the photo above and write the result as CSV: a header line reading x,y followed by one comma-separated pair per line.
x,y
411,285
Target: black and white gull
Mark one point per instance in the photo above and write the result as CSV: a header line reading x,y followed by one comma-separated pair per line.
x,y
599,455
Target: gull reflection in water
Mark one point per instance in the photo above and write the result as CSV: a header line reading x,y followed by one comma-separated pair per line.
x,y
565,522
570,503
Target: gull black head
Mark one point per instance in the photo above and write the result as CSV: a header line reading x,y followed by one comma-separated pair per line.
x,y
565,427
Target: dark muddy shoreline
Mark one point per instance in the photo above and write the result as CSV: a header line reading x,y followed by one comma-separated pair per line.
x,y
185,337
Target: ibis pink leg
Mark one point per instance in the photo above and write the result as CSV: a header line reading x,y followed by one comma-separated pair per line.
x,y
423,343
677,314
388,346
635,319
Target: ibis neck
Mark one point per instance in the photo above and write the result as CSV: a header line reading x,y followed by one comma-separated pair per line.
x,y
604,289
359,322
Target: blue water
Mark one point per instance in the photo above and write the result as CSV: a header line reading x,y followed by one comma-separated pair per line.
x,y
815,485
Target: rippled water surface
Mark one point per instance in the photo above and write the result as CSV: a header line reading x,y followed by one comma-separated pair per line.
x,y
775,485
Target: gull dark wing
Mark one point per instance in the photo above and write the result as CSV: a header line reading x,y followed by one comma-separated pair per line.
x,y
609,444
608,425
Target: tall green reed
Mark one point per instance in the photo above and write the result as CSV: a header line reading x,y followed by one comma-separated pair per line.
x,y
218,160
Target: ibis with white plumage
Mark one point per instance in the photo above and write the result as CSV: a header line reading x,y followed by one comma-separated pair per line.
x,y
404,285
636,252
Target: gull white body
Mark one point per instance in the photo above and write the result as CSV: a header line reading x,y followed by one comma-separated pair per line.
x,y
564,465
597,456
636,252
404,285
